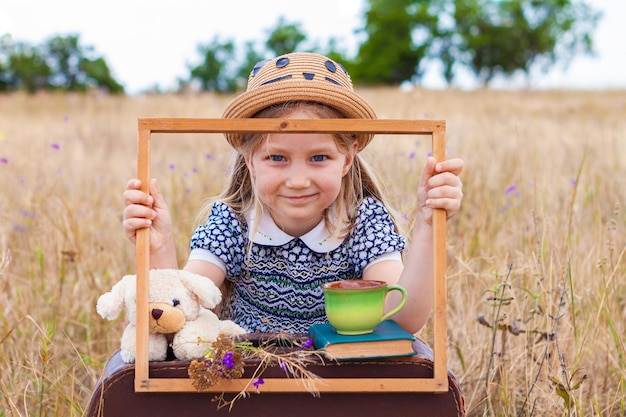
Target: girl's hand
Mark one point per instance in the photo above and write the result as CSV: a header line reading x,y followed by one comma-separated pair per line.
x,y
440,187
147,210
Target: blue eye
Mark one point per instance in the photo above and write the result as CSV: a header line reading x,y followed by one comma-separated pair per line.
x,y
319,158
276,158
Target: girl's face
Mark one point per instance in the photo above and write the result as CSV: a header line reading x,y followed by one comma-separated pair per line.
x,y
297,176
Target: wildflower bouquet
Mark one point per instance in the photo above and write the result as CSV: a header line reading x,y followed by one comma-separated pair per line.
x,y
227,357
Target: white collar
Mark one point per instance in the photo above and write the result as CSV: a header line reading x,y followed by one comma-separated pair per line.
x,y
268,233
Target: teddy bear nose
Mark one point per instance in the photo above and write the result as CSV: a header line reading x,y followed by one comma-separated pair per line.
x,y
157,313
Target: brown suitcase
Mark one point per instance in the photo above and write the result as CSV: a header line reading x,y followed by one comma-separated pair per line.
x,y
114,395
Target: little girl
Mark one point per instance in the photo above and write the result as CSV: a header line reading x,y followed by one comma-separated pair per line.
x,y
300,210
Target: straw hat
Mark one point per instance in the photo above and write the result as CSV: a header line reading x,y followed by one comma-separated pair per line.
x,y
299,76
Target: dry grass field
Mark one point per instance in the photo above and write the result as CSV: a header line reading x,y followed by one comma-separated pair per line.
x,y
536,258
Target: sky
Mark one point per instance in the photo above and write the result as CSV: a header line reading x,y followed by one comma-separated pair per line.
x,y
154,42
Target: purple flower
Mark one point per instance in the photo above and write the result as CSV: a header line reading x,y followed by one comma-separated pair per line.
x,y
307,344
258,383
228,360
4,161
411,155
20,228
511,189
28,214
172,166
55,146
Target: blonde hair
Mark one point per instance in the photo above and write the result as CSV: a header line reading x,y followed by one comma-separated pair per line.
x,y
359,182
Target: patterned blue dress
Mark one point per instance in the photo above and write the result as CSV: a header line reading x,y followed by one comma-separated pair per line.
x,y
277,281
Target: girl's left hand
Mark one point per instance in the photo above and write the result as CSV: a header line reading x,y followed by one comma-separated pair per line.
x,y
440,187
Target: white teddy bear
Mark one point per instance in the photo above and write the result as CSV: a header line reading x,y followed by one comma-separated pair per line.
x,y
179,303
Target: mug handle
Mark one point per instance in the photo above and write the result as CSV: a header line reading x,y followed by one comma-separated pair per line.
x,y
400,305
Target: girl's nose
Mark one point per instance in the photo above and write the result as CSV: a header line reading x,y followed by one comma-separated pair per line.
x,y
298,178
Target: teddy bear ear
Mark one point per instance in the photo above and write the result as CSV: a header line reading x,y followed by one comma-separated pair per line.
x,y
111,304
202,287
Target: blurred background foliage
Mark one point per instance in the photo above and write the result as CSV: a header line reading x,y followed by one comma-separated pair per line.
x,y
399,40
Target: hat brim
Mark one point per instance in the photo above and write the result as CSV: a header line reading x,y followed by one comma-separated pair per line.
x,y
347,102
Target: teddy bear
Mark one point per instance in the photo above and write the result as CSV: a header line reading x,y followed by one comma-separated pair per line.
x,y
179,315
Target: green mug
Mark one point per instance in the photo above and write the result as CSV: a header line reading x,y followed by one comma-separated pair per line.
x,y
358,306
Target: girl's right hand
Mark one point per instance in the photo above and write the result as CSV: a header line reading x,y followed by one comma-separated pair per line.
x,y
147,210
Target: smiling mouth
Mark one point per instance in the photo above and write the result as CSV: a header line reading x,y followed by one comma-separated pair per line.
x,y
300,198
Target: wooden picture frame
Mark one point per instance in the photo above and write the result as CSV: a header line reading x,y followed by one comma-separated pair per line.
x,y
434,128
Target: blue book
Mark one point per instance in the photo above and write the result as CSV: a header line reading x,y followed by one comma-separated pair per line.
x,y
387,340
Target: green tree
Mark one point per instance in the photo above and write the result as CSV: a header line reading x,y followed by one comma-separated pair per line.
x,y
99,73
251,57
26,67
213,72
501,38
64,53
77,67
4,63
60,63
284,37
435,34
489,37
219,71
389,54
